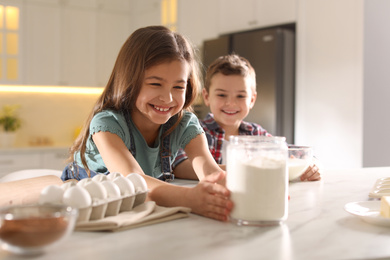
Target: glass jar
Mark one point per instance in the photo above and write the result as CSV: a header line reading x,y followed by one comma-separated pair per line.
x,y
257,178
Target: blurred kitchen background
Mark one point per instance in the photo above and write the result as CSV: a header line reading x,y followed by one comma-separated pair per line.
x,y
334,94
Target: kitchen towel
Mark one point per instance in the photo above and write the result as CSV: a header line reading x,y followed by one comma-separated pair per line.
x,y
145,214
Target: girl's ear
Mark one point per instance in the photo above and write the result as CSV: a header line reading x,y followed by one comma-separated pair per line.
x,y
253,100
205,95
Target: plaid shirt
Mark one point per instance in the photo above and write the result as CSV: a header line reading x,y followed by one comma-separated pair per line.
x,y
216,135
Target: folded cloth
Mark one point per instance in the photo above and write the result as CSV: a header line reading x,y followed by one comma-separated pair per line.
x,y
145,214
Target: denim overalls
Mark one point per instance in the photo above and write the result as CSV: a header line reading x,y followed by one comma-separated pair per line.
x,y
74,171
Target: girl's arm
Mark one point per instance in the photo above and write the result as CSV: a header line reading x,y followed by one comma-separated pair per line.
x,y
200,157
205,199
184,170
118,158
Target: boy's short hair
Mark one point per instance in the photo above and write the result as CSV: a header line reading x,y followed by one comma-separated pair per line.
x,y
231,64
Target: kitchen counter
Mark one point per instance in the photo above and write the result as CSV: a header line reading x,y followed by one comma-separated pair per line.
x,y
318,227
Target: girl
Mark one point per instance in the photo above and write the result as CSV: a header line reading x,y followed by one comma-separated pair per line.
x,y
141,120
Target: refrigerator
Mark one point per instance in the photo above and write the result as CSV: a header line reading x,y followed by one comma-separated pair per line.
x,y
271,52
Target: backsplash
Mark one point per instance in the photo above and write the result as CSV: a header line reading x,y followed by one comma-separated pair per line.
x,y
49,118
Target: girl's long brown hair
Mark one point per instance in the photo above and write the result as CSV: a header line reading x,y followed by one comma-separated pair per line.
x,y
144,48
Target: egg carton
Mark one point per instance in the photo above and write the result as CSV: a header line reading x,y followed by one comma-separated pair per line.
x,y
110,207
98,197
380,188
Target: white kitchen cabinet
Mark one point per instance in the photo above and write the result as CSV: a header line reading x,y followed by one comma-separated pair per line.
x,y
41,43
121,6
59,42
72,42
144,13
251,14
15,159
54,159
197,20
78,50
109,41
11,56
11,162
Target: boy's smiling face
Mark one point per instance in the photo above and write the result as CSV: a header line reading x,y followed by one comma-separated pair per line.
x,y
230,99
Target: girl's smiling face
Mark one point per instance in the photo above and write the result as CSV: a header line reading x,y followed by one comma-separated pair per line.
x,y
162,94
230,99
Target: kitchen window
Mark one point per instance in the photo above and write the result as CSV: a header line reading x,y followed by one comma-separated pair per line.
x,y
9,44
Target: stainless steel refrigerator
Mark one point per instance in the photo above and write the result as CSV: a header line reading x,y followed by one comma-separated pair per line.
x,y
271,52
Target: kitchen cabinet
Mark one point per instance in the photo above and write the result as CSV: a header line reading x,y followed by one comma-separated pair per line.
x,y
250,14
54,158
41,43
10,39
72,42
16,159
197,20
144,13
110,40
115,21
78,46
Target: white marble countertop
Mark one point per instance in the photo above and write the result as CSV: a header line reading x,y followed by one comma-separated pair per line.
x,y
318,227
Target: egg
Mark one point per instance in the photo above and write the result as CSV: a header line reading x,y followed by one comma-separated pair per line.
x,y
77,197
67,185
138,181
112,189
113,175
51,194
96,190
125,185
100,177
84,181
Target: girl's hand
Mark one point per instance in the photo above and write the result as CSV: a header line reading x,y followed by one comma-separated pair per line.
x,y
211,199
312,173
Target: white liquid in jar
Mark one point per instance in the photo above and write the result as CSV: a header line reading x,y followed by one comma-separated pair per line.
x,y
296,167
259,190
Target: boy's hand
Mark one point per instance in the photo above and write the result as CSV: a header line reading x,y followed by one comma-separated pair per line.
x,y
312,173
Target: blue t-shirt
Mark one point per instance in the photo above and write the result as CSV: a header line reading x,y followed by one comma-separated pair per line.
x,y
148,157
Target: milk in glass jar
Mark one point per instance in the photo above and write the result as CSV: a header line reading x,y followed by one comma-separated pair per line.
x,y
257,178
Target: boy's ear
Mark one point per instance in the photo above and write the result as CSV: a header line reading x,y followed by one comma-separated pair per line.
x,y
205,95
253,100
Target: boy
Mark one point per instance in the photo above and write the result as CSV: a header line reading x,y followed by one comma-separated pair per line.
x,y
230,93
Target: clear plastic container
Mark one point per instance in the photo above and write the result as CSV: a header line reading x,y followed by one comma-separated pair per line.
x,y
257,177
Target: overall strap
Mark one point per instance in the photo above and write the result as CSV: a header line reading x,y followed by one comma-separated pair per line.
x,y
165,151
126,114
165,148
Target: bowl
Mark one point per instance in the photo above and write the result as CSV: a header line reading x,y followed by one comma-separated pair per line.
x,y
299,158
30,229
